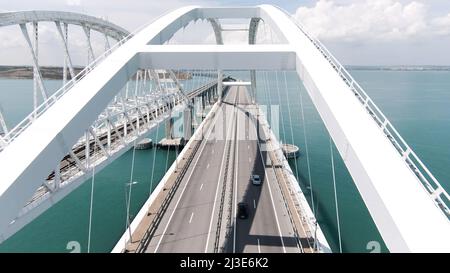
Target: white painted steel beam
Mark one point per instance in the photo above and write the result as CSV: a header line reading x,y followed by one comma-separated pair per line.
x,y
236,83
215,24
36,71
87,33
67,59
225,57
3,123
97,24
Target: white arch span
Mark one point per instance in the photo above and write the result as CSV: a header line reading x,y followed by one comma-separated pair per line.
x,y
401,198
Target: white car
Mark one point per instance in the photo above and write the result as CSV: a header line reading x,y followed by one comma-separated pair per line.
x,y
256,180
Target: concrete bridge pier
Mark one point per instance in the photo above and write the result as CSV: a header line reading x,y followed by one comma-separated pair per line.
x,y
203,101
187,123
169,128
170,141
208,96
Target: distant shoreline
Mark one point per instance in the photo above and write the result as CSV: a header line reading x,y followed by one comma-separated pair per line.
x,y
399,68
56,73
26,72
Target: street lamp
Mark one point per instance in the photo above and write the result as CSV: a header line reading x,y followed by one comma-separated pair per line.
x,y
127,200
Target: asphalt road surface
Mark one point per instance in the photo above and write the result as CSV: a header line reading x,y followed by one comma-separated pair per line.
x,y
190,222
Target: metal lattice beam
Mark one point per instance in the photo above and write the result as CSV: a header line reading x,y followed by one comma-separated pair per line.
x,y
97,24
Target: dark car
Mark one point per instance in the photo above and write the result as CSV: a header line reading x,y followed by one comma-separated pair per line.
x,y
243,210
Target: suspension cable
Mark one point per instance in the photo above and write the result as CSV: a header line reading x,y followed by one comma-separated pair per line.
x,y
279,103
335,197
154,159
91,204
130,184
266,89
167,157
307,152
266,76
290,121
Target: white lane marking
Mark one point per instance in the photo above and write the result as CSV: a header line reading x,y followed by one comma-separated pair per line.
x,y
249,159
259,246
235,186
212,151
254,204
201,187
184,188
190,219
207,166
217,188
271,197
276,215
248,147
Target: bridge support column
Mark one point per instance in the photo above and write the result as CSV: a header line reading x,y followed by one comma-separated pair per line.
x,y
169,128
207,97
187,123
203,98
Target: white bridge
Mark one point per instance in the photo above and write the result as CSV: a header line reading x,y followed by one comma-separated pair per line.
x,y
119,98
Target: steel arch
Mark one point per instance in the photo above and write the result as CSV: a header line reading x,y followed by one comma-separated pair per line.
x,y
100,25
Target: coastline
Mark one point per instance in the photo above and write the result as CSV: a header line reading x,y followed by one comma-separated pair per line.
x,y
56,73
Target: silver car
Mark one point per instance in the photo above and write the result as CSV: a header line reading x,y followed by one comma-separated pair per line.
x,y
256,180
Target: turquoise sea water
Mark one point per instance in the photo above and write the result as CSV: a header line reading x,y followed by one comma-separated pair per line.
x,y
417,103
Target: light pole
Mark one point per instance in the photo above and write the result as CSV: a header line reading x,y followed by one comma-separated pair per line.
x,y
127,200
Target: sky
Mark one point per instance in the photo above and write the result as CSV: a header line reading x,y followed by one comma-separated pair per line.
x,y
357,32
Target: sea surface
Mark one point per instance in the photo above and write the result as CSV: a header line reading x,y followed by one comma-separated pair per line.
x,y
416,102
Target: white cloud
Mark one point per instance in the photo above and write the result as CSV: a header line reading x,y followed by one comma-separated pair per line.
x,y
381,20
73,2
441,25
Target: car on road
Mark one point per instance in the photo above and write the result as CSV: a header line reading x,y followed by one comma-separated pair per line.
x,y
256,179
242,210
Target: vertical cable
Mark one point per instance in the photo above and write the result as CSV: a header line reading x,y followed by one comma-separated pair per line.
x,y
130,184
290,121
91,205
307,152
335,197
154,159
279,103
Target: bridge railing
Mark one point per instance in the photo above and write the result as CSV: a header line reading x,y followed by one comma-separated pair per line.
x,y
427,179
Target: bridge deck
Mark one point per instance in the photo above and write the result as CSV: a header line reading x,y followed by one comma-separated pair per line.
x,y
201,214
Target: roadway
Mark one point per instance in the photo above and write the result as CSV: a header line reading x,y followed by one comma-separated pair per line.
x,y
220,172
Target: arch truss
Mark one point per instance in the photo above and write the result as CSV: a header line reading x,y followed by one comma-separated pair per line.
x,y
148,98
